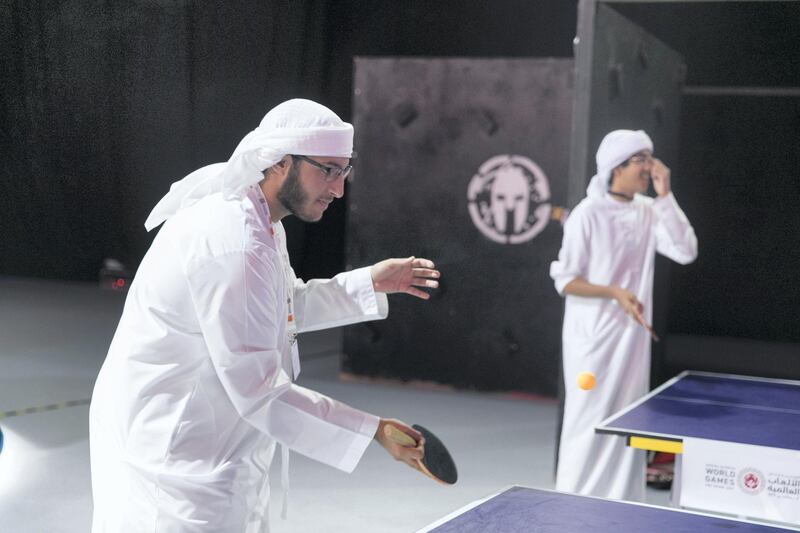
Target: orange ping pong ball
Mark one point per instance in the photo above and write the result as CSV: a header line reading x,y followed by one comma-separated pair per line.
x,y
586,380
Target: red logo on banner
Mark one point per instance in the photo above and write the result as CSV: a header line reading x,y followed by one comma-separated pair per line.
x,y
751,481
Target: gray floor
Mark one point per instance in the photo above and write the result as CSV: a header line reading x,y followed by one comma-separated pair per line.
x,y
53,337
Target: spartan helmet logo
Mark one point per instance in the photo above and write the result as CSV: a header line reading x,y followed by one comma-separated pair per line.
x,y
509,199
510,193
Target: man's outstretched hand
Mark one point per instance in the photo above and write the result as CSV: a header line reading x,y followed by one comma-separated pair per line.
x,y
405,275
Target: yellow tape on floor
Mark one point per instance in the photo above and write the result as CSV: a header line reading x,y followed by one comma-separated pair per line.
x,y
43,408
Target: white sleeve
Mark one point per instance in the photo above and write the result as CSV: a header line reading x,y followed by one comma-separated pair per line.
x,y
321,428
675,237
236,303
574,254
235,300
344,299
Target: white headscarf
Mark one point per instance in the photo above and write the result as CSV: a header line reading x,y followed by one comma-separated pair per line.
x,y
614,149
296,126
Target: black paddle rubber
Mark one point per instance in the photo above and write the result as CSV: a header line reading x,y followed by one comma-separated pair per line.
x,y
437,459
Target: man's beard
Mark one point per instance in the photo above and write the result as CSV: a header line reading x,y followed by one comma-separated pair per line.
x,y
292,196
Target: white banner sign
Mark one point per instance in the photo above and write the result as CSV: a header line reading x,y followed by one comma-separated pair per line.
x,y
741,479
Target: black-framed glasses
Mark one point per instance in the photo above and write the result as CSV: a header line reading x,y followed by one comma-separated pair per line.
x,y
641,158
330,173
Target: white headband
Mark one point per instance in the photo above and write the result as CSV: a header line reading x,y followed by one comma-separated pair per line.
x,y
614,149
296,126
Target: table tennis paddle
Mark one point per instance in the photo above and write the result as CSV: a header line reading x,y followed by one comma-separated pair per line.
x,y
437,463
649,328
640,319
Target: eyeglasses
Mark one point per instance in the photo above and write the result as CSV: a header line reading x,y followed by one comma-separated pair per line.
x,y
330,173
639,159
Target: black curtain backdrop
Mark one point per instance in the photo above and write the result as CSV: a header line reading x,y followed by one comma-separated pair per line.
x,y
738,182
104,104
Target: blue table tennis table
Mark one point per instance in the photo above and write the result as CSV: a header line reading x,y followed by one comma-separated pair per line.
x,y
705,405
717,407
527,510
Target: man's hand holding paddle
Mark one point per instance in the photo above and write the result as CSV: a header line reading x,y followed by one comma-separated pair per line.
x,y
631,305
410,454
433,459
625,298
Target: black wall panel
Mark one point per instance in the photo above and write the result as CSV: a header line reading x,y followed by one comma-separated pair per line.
x,y
425,131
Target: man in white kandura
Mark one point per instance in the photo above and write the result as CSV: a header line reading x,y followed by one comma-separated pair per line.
x,y
605,269
197,387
